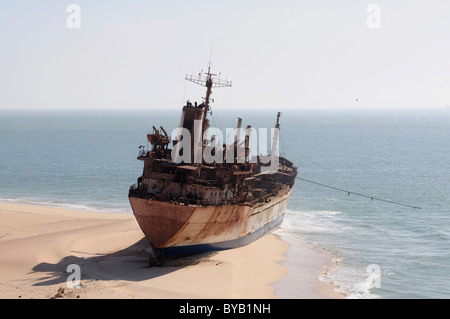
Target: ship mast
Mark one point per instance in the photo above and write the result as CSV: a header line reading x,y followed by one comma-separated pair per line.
x,y
209,82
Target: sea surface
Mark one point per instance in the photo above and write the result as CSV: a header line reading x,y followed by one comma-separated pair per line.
x,y
86,160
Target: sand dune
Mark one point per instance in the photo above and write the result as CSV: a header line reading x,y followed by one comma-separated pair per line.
x,y
37,244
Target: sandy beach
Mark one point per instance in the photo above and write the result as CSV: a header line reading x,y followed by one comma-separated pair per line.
x,y
37,244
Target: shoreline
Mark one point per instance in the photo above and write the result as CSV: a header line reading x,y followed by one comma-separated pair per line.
x,y
307,264
38,243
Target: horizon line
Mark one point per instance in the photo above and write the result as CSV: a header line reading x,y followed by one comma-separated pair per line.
x,y
242,108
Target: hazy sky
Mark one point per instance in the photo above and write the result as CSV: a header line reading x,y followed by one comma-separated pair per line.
x,y
311,54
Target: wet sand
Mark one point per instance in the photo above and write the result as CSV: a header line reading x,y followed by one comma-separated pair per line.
x,y
37,245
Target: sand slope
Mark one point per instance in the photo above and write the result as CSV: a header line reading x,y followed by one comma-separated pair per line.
x,y
37,244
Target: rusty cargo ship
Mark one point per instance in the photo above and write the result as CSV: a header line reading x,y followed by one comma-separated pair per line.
x,y
186,205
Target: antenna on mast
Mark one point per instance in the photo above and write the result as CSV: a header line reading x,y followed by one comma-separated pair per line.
x,y
209,81
210,54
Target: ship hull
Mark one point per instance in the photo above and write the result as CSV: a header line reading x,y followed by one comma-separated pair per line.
x,y
178,230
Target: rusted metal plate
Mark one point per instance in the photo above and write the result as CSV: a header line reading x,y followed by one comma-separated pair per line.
x,y
159,220
196,225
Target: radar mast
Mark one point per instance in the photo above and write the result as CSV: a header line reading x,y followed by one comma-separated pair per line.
x,y
210,81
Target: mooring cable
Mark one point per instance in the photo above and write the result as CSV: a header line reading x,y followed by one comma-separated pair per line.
x,y
357,194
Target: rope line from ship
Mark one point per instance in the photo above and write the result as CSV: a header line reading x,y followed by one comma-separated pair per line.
x,y
358,194
347,191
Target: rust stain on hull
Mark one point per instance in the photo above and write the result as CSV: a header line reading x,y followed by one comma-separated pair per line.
x,y
159,221
169,225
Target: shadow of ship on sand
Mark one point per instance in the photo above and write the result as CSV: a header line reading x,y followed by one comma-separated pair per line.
x,y
129,264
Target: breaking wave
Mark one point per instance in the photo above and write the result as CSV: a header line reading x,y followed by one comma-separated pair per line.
x,y
321,228
313,222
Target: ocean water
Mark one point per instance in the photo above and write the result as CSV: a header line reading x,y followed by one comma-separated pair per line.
x,y
87,160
